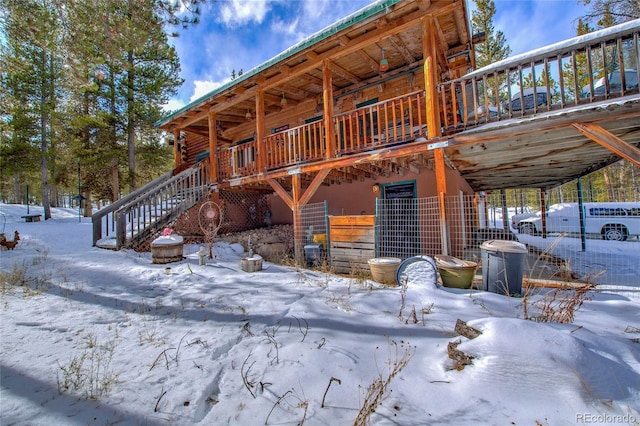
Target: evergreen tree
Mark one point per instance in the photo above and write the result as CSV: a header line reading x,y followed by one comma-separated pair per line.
x,y
610,12
139,71
85,80
494,48
33,62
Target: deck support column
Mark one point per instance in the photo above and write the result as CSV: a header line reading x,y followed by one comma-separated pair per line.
x,y
433,121
543,211
298,249
296,202
261,162
213,148
327,99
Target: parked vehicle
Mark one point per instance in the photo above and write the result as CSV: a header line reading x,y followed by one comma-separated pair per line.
x,y
612,221
531,99
517,218
615,83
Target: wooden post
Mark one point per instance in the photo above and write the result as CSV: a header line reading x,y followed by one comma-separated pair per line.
x,y
261,163
296,202
176,155
298,232
327,98
505,211
213,148
543,211
433,121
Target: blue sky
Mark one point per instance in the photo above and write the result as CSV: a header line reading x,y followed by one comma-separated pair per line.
x,y
241,34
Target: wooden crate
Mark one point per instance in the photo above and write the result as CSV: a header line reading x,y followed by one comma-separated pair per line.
x,y
352,242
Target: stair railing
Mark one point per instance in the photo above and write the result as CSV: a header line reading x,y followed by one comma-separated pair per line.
x,y
138,216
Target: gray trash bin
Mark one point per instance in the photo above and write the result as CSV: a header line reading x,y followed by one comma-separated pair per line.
x,y
503,266
313,254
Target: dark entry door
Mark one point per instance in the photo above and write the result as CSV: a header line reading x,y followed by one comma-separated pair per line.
x,y
398,218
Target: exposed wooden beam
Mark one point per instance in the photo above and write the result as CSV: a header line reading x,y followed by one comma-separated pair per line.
x,y
261,132
327,100
373,64
609,141
429,48
441,37
313,186
424,5
461,25
399,45
176,154
213,149
282,193
345,74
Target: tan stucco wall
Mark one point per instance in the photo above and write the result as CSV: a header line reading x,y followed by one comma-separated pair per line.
x,y
358,197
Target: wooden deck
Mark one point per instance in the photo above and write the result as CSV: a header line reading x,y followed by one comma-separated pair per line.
x,y
570,130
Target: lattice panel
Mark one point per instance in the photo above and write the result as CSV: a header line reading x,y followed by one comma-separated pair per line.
x,y
241,211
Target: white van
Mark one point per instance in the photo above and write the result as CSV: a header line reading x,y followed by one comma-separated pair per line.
x,y
612,221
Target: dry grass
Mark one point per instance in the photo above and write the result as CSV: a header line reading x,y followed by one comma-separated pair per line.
x,y
398,358
559,304
89,373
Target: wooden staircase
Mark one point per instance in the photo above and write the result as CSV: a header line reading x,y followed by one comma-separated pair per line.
x,y
143,214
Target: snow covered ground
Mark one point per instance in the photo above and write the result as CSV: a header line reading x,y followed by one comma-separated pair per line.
x,y
215,345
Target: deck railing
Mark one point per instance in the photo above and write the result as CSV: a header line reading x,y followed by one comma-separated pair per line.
x,y
587,69
143,217
594,67
297,145
140,215
104,222
237,161
392,121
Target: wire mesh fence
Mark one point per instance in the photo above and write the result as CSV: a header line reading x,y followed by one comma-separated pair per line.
x,y
598,243
591,236
576,240
315,232
408,227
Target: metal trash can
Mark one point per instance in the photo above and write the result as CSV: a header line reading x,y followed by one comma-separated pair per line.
x,y
503,266
313,253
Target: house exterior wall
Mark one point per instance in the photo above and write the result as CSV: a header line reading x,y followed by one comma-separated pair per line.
x,y
358,197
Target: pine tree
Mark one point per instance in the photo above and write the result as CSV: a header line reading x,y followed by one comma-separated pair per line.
x,y
494,48
33,62
102,70
139,71
611,12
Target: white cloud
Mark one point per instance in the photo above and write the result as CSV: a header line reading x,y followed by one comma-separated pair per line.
x,y
201,88
238,12
173,105
287,28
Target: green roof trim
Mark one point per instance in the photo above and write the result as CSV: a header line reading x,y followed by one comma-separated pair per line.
x,y
356,17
